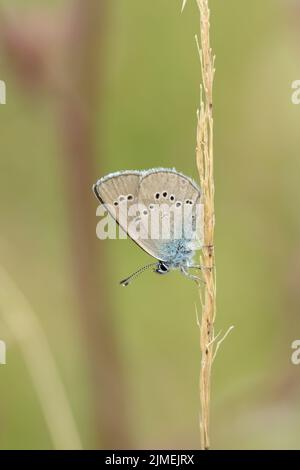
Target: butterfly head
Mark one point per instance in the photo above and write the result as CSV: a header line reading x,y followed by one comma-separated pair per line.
x,y
162,268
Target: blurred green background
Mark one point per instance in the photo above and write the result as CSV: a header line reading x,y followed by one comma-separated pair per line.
x,y
95,87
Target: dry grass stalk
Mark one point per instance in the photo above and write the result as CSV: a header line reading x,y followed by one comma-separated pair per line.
x,y
204,159
205,164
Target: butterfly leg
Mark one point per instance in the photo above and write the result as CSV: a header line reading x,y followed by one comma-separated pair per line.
x,y
191,276
200,266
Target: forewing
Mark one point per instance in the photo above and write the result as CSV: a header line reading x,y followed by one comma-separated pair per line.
x,y
118,193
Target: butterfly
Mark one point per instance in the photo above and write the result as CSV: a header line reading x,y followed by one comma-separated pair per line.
x,y
137,199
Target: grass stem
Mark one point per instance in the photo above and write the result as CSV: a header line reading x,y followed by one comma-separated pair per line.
x,y
204,160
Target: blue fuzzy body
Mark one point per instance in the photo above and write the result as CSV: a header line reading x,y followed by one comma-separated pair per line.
x,y
177,253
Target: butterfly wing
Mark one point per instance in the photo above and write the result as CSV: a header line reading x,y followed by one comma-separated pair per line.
x,y
109,188
123,191
170,189
118,192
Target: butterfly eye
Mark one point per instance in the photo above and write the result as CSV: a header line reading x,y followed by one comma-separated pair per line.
x,y
165,194
129,197
121,198
116,203
178,204
156,195
162,268
172,197
145,212
188,201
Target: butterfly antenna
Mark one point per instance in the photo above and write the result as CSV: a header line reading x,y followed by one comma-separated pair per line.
x,y
130,278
